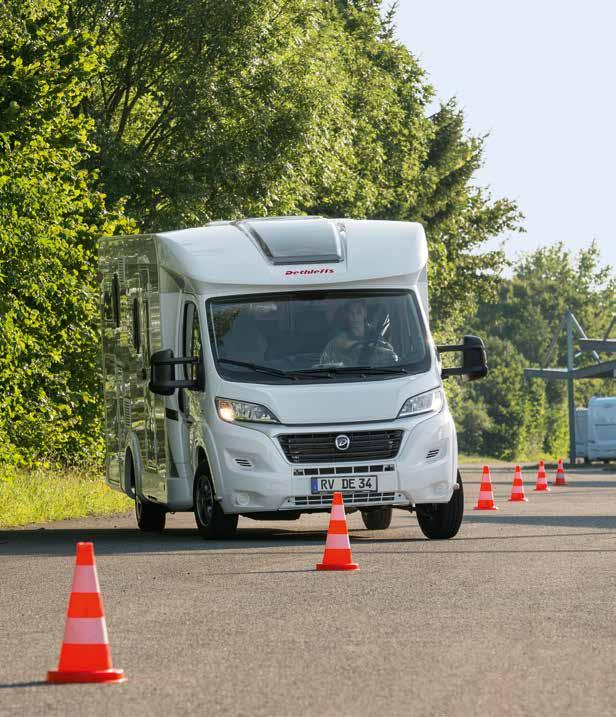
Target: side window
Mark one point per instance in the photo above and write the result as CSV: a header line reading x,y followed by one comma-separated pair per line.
x,y
146,328
136,325
115,300
191,336
107,301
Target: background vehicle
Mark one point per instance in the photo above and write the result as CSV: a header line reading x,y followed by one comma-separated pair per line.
x,y
602,428
254,367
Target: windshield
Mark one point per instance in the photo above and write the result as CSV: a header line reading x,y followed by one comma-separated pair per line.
x,y
324,335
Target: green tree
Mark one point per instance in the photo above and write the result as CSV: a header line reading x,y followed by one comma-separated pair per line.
x,y
207,110
50,216
530,416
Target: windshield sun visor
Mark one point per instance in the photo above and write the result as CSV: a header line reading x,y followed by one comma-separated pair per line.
x,y
295,240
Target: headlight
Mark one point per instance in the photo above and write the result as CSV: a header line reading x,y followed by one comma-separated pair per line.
x,y
230,410
428,402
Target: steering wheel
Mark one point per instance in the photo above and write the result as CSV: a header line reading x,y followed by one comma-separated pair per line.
x,y
376,343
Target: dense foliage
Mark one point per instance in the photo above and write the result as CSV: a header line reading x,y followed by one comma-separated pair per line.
x,y
207,110
50,216
185,111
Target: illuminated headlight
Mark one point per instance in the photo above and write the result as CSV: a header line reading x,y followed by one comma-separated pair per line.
x,y
428,402
230,410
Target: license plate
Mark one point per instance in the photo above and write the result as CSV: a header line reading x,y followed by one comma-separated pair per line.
x,y
344,484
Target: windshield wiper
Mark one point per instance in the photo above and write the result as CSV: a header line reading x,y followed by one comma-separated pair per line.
x,y
356,369
255,367
308,373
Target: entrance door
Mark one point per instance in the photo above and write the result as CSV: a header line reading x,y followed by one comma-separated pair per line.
x,y
191,404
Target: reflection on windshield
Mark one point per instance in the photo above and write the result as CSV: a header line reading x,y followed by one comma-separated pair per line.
x,y
319,330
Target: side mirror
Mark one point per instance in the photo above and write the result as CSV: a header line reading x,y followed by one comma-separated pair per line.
x,y
162,373
474,360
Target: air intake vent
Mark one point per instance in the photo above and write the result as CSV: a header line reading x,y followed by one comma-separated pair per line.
x,y
244,463
326,499
322,448
432,453
295,240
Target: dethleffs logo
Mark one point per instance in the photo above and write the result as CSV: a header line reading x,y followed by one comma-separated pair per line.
x,y
304,272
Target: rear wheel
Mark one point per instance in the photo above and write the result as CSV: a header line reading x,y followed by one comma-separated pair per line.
x,y
441,521
211,521
377,519
150,517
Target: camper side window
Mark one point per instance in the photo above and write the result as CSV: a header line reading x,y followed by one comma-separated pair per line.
x,y
191,339
136,326
115,299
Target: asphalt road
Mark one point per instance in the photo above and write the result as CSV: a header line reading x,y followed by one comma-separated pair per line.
x,y
516,616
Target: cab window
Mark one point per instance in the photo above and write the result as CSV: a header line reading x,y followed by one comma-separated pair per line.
x,y
192,345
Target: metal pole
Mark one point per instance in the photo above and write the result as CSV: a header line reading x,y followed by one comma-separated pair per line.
x,y
570,393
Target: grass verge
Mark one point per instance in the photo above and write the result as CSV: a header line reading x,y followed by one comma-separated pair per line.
x,y
42,495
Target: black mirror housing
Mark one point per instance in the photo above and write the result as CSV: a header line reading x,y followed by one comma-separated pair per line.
x,y
162,373
474,359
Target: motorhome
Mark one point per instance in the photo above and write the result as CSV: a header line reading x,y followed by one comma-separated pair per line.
x,y
253,368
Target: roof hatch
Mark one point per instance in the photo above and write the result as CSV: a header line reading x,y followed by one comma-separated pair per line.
x,y
295,240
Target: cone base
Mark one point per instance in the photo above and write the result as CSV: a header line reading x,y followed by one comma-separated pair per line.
x,y
556,482
542,490
477,507
332,566
112,675
518,500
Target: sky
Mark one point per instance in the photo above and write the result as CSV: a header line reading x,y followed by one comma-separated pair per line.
x,y
539,76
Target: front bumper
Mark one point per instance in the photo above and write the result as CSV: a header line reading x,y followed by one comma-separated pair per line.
x,y
252,474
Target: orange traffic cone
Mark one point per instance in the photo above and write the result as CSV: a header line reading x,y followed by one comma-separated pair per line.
x,y
517,490
486,497
542,479
560,474
85,655
337,555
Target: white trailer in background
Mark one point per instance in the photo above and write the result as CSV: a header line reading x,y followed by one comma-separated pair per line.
x,y
581,433
602,428
255,367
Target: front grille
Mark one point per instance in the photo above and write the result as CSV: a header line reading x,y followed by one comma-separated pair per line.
x,y
325,499
321,447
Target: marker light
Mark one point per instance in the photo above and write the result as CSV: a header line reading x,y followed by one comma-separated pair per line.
x,y
231,411
428,402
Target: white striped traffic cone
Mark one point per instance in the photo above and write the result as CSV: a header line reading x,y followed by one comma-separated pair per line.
x,y
85,655
542,479
517,490
337,554
560,474
486,497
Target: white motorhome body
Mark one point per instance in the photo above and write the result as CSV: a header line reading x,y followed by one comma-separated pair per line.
x,y
602,428
581,433
274,426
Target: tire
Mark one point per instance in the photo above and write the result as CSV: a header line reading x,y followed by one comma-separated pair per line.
x,y
211,521
378,519
441,521
150,517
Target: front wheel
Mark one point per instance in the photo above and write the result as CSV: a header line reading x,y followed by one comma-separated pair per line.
x,y
150,517
377,519
211,521
441,521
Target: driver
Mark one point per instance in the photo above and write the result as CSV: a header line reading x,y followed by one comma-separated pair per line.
x,y
351,346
